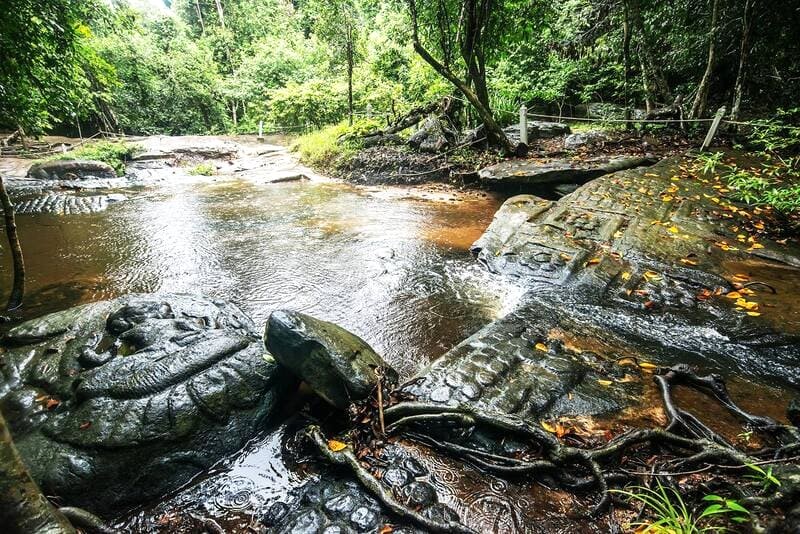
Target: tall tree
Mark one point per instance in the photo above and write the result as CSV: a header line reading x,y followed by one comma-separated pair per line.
x,y
468,28
655,84
338,24
744,54
42,76
701,98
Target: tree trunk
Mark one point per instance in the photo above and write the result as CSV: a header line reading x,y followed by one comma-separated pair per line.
x,y
701,98
220,13
744,52
494,134
350,65
23,507
655,85
18,285
200,17
626,61
474,19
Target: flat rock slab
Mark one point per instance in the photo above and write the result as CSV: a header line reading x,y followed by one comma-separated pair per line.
x,y
71,170
536,172
115,402
648,256
524,366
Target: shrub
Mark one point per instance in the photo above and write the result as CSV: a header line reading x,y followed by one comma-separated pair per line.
x,y
203,169
316,103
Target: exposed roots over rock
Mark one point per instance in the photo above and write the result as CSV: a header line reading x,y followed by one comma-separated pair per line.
x,y
347,458
686,441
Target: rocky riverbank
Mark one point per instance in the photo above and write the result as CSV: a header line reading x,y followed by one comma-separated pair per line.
x,y
627,279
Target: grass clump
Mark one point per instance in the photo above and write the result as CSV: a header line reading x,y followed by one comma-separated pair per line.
x,y
203,169
671,515
114,153
332,146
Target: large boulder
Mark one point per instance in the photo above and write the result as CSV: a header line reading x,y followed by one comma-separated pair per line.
x,y
114,402
338,365
433,136
76,169
580,139
649,262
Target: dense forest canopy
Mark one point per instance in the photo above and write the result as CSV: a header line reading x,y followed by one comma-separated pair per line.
x,y
213,66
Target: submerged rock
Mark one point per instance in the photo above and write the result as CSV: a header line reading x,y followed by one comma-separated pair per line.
x,y
71,170
339,366
335,504
114,402
65,204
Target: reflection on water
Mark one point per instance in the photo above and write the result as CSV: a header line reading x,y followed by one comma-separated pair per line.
x,y
389,266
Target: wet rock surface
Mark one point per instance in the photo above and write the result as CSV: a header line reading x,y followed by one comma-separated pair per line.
x,y
338,365
114,402
71,170
67,204
524,366
538,172
336,503
643,258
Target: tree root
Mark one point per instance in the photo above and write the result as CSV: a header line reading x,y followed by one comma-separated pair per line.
x,y
86,521
577,469
346,458
684,436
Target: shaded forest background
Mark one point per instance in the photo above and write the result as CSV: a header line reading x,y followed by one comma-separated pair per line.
x,y
217,66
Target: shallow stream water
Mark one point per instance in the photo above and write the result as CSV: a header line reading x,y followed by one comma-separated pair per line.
x,y
391,264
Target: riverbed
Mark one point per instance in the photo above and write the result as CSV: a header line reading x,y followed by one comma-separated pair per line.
x,y
392,264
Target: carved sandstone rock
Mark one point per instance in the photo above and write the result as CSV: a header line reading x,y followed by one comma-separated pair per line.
x,y
338,365
114,402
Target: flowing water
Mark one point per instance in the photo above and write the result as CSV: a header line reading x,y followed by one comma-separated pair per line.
x,y
391,264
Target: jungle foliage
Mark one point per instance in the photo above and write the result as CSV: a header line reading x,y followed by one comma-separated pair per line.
x,y
214,66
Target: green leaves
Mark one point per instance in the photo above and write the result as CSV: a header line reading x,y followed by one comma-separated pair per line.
x,y
670,514
765,478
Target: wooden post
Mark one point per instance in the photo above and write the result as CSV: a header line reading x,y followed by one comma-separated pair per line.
x,y
261,131
713,130
523,124
369,111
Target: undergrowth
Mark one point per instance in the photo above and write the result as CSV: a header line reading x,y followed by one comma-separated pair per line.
x,y
775,181
114,153
332,146
203,169
667,513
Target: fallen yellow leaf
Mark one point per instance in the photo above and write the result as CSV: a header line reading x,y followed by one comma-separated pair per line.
x,y
753,313
541,346
733,295
336,446
605,383
647,365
